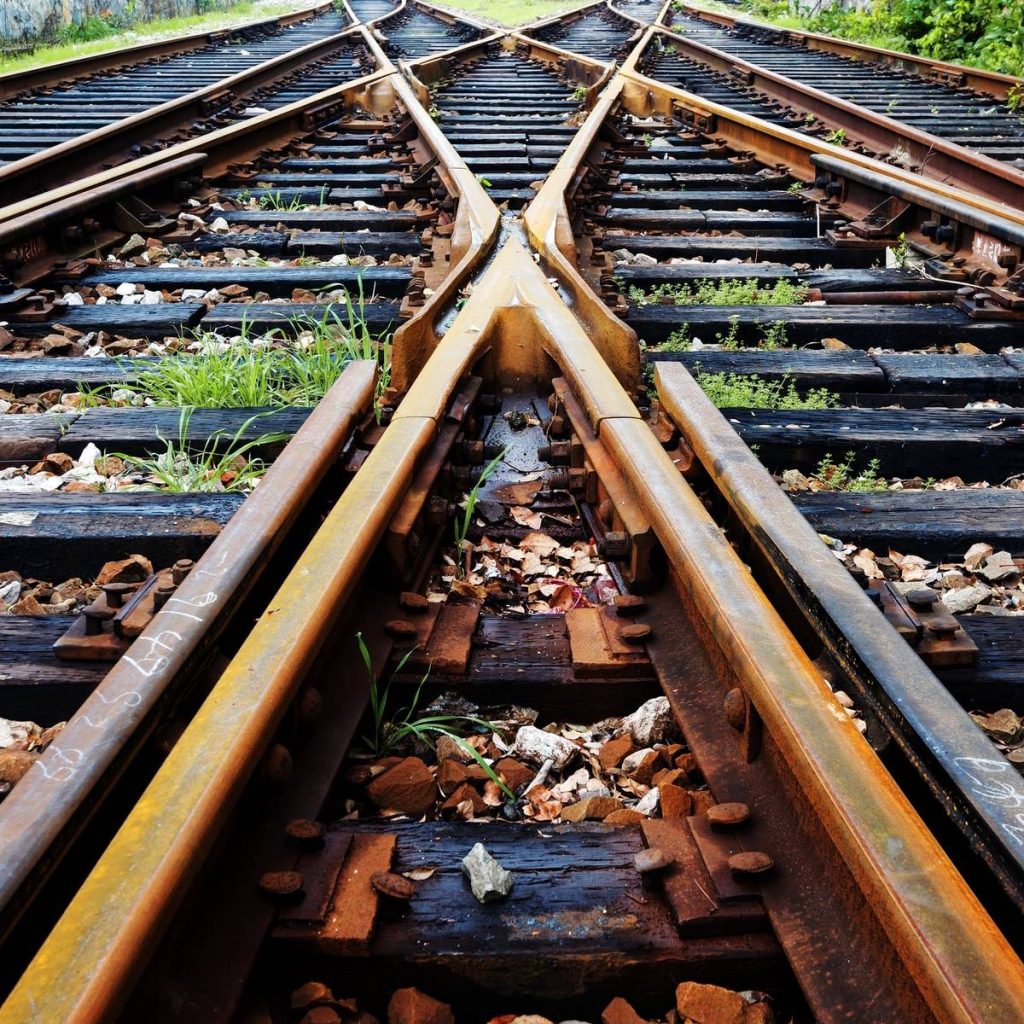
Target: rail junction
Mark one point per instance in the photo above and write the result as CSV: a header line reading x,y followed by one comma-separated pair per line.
x,y
511,525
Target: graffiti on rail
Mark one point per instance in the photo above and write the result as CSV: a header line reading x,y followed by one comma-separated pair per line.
x,y
154,656
996,780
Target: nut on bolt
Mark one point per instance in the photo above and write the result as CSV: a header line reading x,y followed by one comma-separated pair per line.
x,y
750,862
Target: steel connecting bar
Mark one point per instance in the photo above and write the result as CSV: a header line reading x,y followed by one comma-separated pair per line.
x,y
56,796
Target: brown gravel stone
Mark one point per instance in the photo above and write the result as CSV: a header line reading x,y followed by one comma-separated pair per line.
x,y
14,764
618,1011
675,802
593,808
465,792
709,1004
408,787
627,816
133,569
514,772
410,1006
611,754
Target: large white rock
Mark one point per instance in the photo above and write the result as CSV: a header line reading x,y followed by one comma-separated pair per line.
x,y
965,599
538,746
652,722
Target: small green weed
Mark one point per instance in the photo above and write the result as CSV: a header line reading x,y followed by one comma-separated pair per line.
x,y
750,391
183,467
724,292
836,137
840,476
388,733
461,526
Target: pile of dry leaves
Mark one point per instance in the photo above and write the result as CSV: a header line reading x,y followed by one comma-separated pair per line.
x,y
536,575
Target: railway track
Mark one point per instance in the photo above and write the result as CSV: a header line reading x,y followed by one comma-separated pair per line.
x,y
926,118
514,580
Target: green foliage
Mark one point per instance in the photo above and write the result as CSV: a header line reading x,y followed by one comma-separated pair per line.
x,y
724,292
273,201
462,525
183,467
579,94
836,137
901,251
796,188
248,376
985,33
404,724
749,391
840,476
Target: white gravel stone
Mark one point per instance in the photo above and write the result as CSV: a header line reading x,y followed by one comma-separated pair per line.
x,y
652,722
487,878
648,803
538,746
966,598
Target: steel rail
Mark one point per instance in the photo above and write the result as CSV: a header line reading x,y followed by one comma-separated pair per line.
x,y
981,792
42,170
961,965
549,228
61,791
592,73
554,19
775,144
477,225
169,833
918,150
233,143
14,82
993,82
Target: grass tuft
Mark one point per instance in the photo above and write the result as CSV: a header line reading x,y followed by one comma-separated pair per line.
x,y
183,467
750,391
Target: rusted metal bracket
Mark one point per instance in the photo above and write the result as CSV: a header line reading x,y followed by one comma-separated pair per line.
x,y
107,627
418,517
885,221
922,620
132,216
626,531
334,910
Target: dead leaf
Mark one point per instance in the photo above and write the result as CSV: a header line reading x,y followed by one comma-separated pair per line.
x,y
539,543
419,874
526,517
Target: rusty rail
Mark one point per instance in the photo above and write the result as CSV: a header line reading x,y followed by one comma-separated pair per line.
x,y
14,82
992,82
58,796
932,729
236,142
961,967
774,144
47,168
909,146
